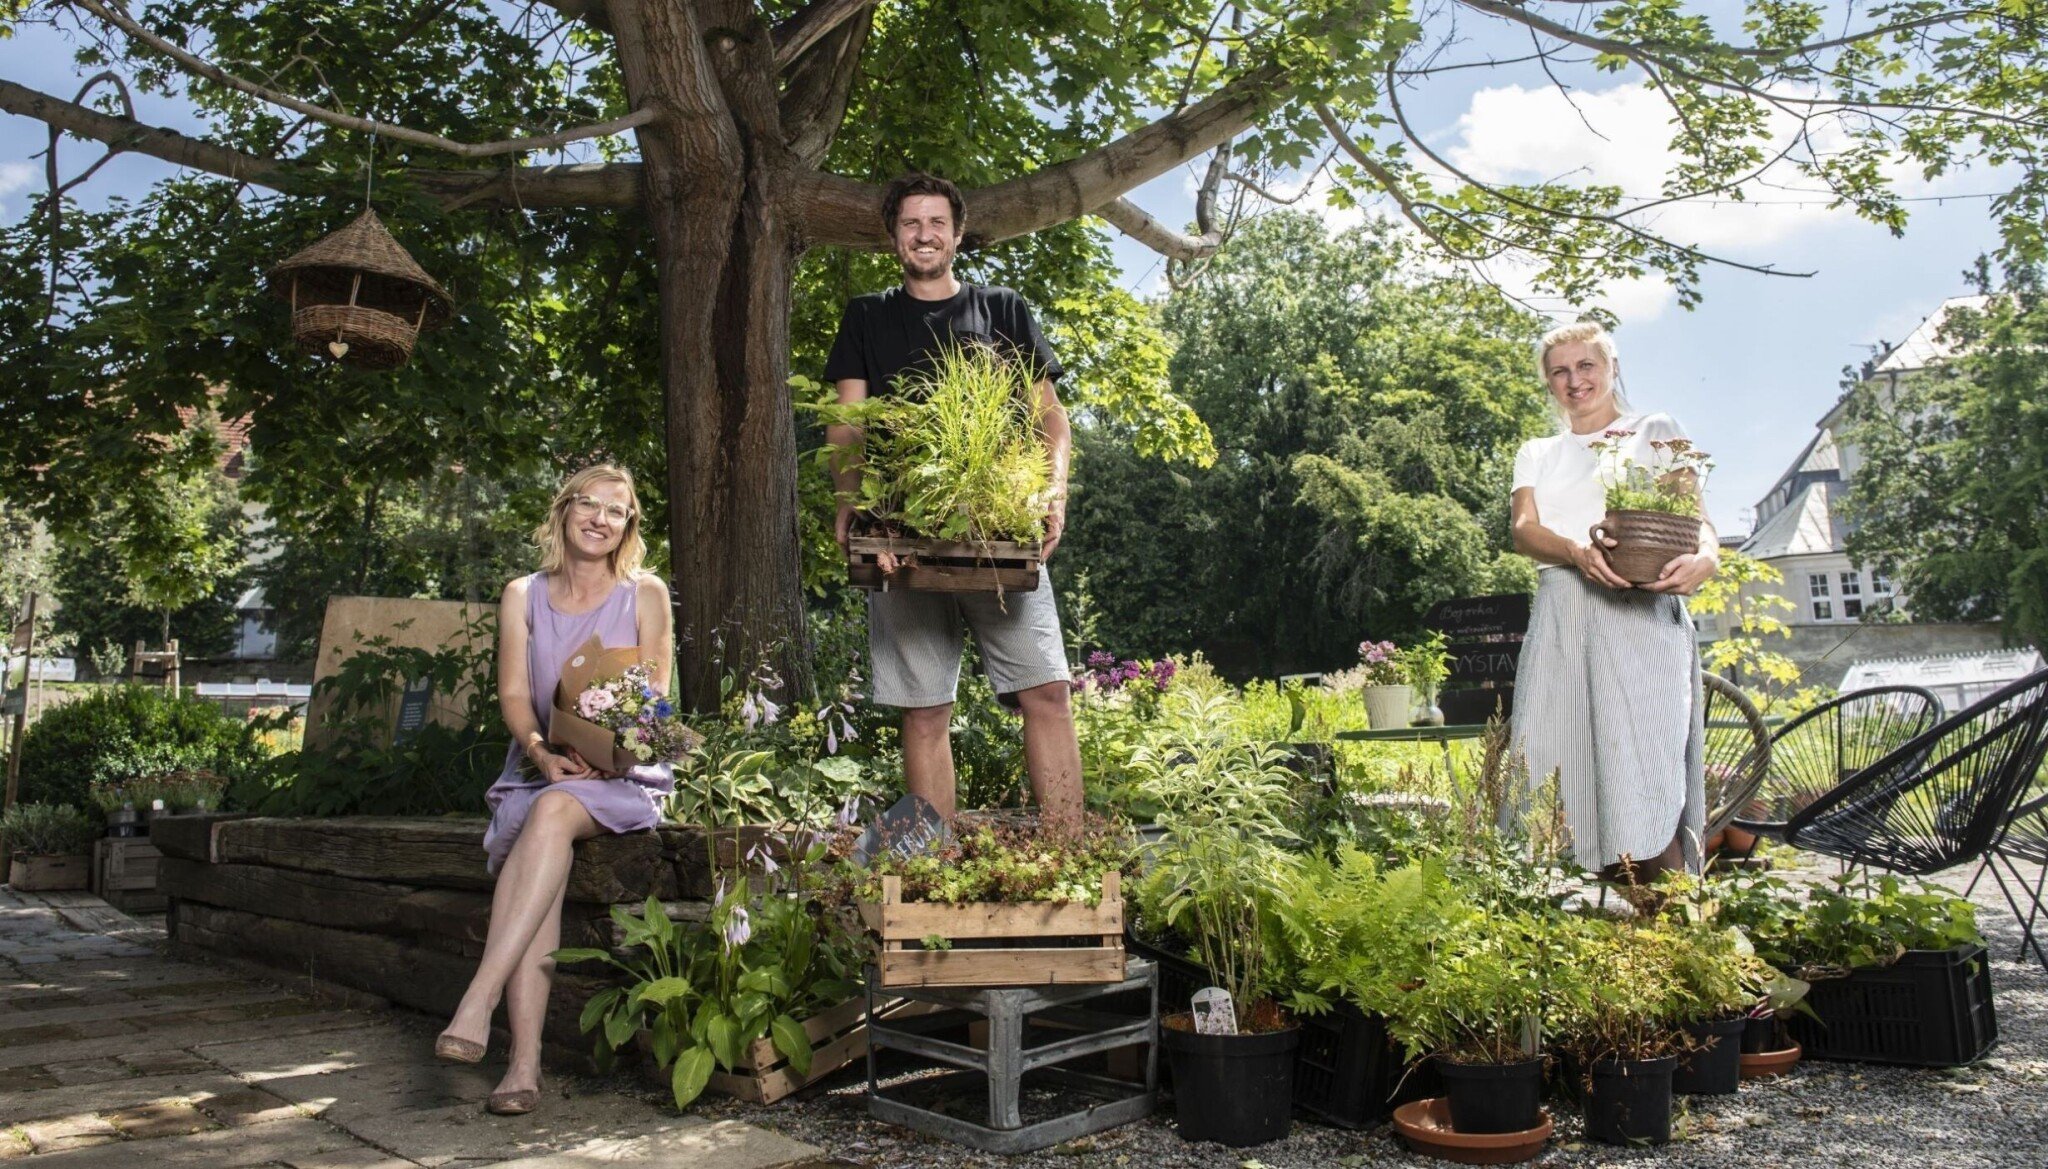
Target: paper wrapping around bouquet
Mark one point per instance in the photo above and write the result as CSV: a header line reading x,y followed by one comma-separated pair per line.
x,y
599,746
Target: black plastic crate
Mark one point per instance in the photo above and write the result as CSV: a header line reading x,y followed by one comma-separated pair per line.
x,y
1931,1008
1347,1069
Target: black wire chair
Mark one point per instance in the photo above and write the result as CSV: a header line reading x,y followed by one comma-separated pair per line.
x,y
1938,800
1823,747
1737,757
2025,839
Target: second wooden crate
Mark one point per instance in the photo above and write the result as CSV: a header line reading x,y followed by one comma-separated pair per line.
x,y
124,873
994,943
941,566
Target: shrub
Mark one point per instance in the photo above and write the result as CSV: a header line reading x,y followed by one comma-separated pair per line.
x,y
47,830
122,733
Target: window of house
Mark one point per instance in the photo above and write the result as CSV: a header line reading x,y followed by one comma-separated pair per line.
x,y
1852,595
1817,593
1880,584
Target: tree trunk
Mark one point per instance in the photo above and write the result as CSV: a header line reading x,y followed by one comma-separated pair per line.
x,y
725,250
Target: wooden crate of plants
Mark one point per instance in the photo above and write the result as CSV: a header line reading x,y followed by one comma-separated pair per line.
x,y
944,566
839,1035
993,943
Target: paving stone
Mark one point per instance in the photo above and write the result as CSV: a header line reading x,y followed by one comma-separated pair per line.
x,y
287,1141
156,1063
38,1033
90,1071
20,1055
438,1136
164,1118
101,1028
118,1095
360,1158
45,1134
29,1079
728,1144
247,1106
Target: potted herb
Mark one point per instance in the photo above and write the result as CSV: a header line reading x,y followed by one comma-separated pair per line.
x,y
1622,1020
1427,665
114,801
1216,880
1477,1009
49,846
1719,978
1653,508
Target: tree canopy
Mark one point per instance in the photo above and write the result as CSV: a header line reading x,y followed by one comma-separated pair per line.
x,y
1951,500
642,207
1364,418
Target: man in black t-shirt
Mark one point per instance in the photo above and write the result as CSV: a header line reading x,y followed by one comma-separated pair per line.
x,y
914,639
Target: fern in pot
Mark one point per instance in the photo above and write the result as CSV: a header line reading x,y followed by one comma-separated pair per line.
x,y
1218,879
1623,1022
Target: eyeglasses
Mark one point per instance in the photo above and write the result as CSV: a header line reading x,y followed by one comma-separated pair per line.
x,y
590,505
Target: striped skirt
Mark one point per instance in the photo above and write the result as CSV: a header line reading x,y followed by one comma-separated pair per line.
x,y
1607,693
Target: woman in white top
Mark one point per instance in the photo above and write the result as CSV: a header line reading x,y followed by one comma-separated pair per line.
x,y
1607,690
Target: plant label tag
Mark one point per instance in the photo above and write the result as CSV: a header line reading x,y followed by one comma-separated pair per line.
x,y
1214,1014
910,827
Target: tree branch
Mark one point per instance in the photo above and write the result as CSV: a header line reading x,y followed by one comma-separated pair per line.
x,y
811,24
816,88
590,12
1140,225
606,185
846,212
203,68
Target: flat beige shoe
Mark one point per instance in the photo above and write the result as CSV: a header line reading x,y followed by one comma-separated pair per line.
x,y
452,1050
516,1103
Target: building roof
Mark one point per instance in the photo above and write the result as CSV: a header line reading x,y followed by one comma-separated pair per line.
x,y
1925,346
1975,669
1802,527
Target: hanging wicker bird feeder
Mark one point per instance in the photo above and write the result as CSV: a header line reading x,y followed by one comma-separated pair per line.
x,y
358,297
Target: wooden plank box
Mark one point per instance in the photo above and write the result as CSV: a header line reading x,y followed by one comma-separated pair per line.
x,y
997,943
839,1035
942,566
49,874
125,873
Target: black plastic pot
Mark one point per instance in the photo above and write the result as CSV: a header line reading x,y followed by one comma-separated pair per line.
x,y
1629,1102
1236,1090
1493,1097
1761,1035
1714,1069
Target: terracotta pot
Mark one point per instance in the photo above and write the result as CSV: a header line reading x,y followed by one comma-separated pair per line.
x,y
1646,541
1758,1065
1426,1126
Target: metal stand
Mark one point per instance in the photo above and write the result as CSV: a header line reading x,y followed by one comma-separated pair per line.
x,y
1030,1029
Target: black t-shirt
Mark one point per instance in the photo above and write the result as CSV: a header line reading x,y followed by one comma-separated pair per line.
x,y
884,335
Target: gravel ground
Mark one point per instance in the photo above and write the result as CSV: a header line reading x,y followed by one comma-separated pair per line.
x,y
1865,1116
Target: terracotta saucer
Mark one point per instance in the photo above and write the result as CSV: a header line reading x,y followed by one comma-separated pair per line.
x,y
1426,1126
1769,1063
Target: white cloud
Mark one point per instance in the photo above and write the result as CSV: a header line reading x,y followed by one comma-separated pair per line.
x,y
14,176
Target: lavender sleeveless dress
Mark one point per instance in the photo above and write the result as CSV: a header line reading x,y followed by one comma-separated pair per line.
x,y
630,803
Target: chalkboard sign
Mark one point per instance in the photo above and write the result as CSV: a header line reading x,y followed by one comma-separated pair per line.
x,y
910,827
1473,618
1483,663
412,709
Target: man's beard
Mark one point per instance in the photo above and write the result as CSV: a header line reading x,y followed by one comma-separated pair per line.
x,y
937,266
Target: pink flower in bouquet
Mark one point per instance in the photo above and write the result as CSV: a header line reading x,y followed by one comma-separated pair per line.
x,y
595,701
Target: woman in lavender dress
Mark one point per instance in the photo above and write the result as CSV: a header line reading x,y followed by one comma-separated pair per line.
x,y
545,800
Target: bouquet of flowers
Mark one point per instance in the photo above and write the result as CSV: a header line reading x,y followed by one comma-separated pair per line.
x,y
1380,664
608,711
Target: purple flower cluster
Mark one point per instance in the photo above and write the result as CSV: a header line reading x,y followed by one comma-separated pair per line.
x,y
1372,653
1106,675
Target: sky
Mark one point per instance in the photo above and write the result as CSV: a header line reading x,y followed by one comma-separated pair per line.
x,y
1747,373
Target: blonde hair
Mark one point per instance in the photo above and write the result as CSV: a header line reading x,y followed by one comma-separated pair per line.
x,y
1581,333
552,538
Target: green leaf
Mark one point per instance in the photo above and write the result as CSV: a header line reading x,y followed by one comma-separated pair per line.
x,y
692,1072
662,990
792,1042
722,1035
568,957
620,1027
594,1010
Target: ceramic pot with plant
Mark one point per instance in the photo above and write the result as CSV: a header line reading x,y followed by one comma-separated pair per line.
x,y
48,846
1477,1011
1653,508
1383,682
1217,880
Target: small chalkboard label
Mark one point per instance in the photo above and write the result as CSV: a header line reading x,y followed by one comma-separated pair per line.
x,y
910,827
1492,662
412,709
1466,618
